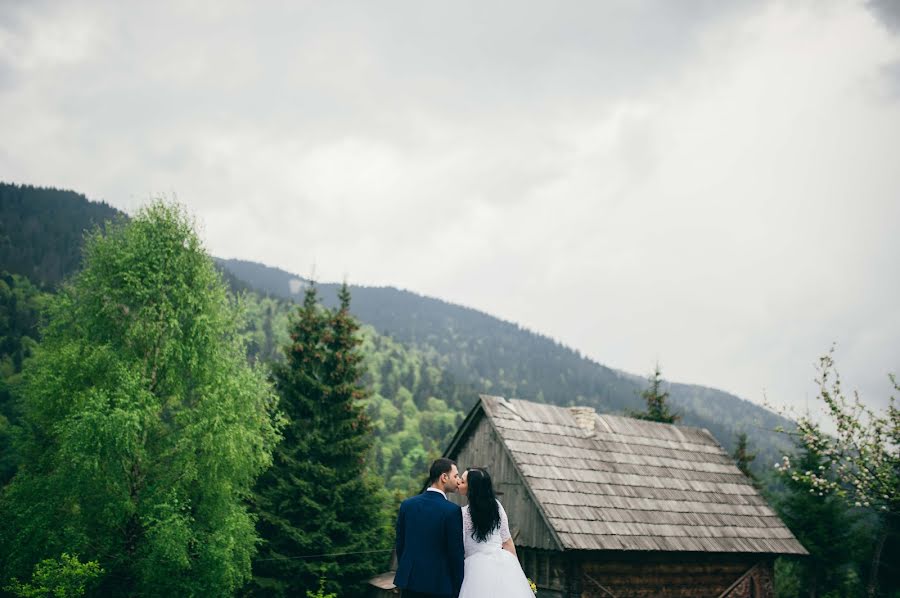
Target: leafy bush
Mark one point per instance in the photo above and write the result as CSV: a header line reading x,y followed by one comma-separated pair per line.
x,y
64,577
320,593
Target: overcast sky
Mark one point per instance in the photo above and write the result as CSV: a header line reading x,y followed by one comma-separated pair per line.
x,y
714,185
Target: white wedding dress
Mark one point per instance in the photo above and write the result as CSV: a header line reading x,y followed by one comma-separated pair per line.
x,y
490,571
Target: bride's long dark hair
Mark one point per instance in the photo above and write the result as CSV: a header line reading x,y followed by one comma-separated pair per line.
x,y
483,505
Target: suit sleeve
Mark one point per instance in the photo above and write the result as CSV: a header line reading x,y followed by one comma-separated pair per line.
x,y
455,550
401,532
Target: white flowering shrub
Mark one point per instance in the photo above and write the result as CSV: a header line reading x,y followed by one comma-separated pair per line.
x,y
861,463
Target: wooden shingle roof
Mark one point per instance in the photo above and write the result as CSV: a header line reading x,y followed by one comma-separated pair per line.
x,y
634,485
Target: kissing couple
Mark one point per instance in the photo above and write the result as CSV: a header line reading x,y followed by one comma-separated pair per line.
x,y
444,551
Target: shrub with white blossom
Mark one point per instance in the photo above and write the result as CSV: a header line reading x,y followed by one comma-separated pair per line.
x,y
860,464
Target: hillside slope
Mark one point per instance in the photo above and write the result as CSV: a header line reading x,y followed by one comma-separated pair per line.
x,y
41,230
494,356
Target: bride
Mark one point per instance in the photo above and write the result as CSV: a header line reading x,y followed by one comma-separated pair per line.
x,y
491,566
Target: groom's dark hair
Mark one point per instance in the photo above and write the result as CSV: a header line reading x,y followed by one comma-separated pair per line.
x,y
439,468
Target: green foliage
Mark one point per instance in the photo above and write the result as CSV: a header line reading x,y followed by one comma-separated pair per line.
x,y
21,306
266,326
144,426
787,578
66,577
320,497
858,468
833,536
862,464
792,577
656,399
410,426
320,593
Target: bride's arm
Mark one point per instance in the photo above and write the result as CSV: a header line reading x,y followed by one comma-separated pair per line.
x,y
505,536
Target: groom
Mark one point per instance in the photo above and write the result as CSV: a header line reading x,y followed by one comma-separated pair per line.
x,y
430,538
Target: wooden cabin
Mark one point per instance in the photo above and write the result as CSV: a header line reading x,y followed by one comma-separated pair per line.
x,y
615,507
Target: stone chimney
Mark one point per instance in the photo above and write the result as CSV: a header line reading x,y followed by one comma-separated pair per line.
x,y
585,417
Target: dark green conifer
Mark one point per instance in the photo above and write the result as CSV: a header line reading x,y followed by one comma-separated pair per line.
x,y
743,457
319,497
656,397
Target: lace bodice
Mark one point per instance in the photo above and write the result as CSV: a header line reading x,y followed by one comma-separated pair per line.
x,y
493,542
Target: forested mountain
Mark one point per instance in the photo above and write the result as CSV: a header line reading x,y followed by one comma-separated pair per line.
x,y
41,230
490,355
440,351
412,420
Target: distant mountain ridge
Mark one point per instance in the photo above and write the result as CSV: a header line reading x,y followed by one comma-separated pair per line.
x,y
499,357
480,351
41,230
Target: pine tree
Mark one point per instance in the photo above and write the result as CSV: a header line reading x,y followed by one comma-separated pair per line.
x,y
144,427
657,408
319,497
743,457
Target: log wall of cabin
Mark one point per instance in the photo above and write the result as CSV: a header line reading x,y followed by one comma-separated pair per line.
x,y
676,576
484,449
553,572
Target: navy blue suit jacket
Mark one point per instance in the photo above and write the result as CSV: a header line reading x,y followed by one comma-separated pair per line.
x,y
430,550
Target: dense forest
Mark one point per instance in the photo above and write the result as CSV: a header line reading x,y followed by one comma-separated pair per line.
x,y
410,404
42,230
423,363
21,306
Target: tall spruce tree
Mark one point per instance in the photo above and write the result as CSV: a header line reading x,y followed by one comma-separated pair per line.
x,y
319,497
144,427
656,397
